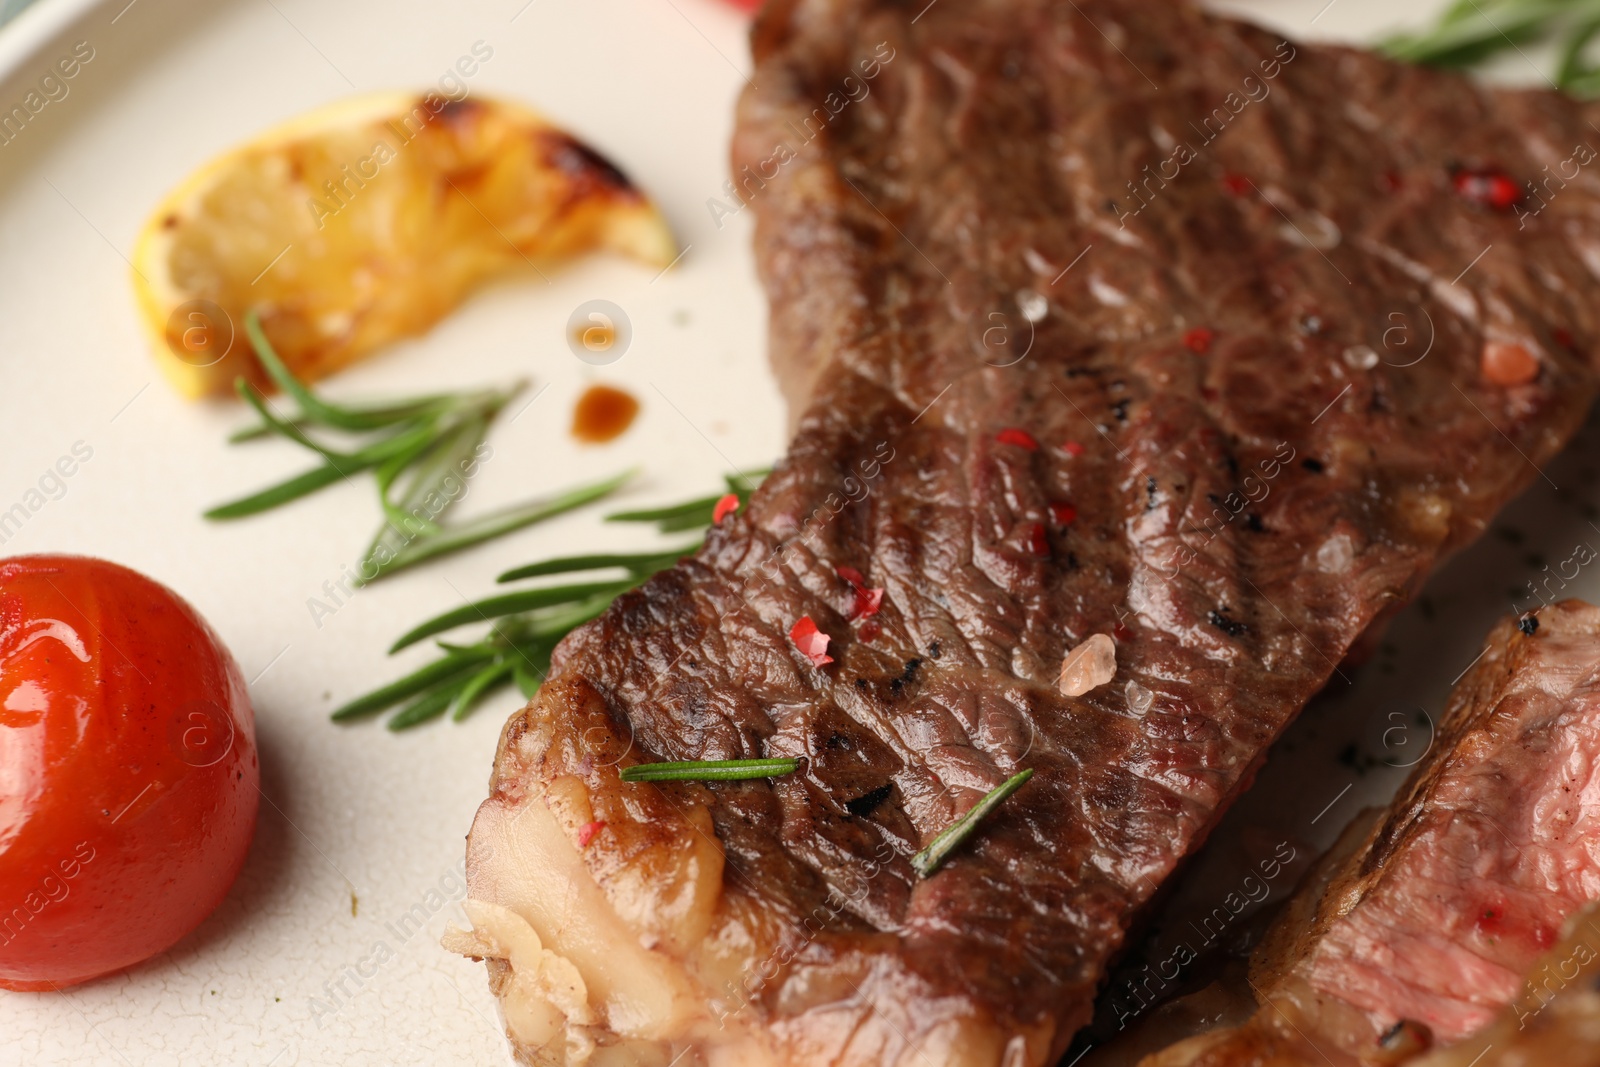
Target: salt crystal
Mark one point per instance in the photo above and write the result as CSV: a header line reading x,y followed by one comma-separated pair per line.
x,y
1106,293
1033,306
1037,263
1336,554
1092,663
1312,229
1139,698
1361,357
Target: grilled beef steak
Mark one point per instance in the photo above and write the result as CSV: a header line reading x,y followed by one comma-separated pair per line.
x,y
1433,920
1097,318
1556,1021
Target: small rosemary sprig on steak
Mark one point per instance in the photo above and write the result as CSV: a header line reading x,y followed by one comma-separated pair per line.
x,y
931,858
526,625
720,770
1472,31
422,451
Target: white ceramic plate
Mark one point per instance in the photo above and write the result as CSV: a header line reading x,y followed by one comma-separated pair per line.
x,y
360,829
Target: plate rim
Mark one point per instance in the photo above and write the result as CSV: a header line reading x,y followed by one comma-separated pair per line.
x,y
36,26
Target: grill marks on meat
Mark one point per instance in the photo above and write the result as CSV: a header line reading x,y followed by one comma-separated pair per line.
x,y
1434,919
784,925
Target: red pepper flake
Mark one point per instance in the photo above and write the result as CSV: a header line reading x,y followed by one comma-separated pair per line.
x,y
868,601
587,831
870,630
1508,363
1390,180
725,507
1073,449
1038,541
1488,187
851,575
812,642
1121,631
1236,184
1563,337
1198,340
1063,513
1021,438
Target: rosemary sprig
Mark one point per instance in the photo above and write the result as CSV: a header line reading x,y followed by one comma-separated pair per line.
x,y
645,563
692,514
526,625
1472,31
931,858
719,770
507,604
421,452
442,541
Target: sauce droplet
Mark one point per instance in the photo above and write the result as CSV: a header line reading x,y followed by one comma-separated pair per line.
x,y
596,337
603,414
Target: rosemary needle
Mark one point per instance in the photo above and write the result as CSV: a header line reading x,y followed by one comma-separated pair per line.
x,y
421,453
506,604
526,625
716,770
442,540
931,858
1471,32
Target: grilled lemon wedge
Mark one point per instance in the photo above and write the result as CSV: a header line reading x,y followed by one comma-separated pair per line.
x,y
368,221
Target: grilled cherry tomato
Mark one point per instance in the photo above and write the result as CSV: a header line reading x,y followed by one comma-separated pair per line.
x,y
128,773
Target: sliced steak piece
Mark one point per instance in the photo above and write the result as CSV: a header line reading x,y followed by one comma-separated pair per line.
x,y
1193,440
1556,1017
1434,919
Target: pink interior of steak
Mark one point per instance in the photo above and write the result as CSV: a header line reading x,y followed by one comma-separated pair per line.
x,y
1428,919
1471,879
1557,1021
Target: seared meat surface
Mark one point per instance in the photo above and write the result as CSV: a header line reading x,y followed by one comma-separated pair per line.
x,y
1435,919
1096,318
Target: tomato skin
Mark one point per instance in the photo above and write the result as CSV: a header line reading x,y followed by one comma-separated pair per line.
x,y
129,778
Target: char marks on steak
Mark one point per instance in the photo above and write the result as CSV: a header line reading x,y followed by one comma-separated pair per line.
x,y
1432,919
1250,492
